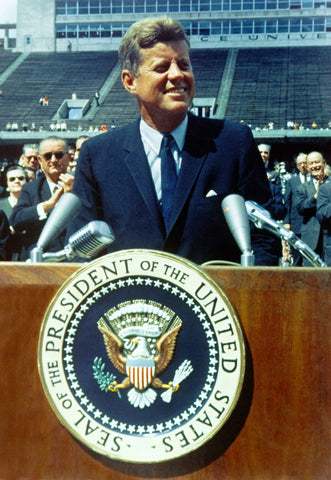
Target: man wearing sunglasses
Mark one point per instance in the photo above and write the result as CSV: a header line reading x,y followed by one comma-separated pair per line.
x,y
39,197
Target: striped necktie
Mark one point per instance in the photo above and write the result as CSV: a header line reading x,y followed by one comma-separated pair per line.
x,y
168,178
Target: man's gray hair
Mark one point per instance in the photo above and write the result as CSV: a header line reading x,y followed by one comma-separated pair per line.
x,y
55,138
32,146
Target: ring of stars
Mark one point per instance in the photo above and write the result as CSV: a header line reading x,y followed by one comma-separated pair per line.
x,y
84,401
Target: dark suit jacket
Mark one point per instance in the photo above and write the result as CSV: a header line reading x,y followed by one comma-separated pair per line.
x,y
114,182
278,207
311,228
4,235
24,217
13,245
292,216
323,214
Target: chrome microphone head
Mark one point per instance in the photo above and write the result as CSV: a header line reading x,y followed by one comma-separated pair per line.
x,y
235,214
64,211
91,239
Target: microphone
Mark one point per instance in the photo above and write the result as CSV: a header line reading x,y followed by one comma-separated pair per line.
x,y
262,219
235,213
63,212
85,243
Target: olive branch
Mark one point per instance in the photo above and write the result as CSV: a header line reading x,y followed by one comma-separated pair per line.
x,y
104,379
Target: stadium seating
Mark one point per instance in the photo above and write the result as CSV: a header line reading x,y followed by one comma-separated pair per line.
x,y
6,58
57,76
269,84
282,85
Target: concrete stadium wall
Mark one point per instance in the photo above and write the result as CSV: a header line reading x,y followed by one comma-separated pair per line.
x,y
36,26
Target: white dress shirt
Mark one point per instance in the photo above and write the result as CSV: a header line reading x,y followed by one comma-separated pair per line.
x,y
40,209
152,143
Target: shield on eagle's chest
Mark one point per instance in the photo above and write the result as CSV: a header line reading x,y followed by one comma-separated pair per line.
x,y
140,371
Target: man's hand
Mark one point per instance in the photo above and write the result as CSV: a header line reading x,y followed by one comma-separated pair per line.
x,y
65,184
49,204
320,177
66,181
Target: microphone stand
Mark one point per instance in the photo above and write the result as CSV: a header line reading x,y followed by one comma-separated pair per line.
x,y
36,255
85,243
247,259
66,254
263,220
235,213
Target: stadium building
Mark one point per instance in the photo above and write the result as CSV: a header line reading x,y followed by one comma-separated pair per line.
x,y
81,25
263,62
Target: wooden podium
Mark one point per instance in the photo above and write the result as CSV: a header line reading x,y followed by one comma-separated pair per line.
x,y
281,428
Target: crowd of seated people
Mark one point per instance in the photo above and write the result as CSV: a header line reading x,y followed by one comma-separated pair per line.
x,y
62,126
33,187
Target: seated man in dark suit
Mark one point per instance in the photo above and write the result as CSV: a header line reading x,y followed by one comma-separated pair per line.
x,y
164,192
39,197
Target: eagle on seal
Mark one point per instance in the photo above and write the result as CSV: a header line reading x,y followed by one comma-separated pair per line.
x,y
131,355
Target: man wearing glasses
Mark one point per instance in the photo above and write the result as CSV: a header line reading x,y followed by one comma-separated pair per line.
x,y
29,157
39,197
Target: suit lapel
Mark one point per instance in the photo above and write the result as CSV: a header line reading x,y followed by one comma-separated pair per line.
x,y
190,170
198,143
44,190
136,161
311,186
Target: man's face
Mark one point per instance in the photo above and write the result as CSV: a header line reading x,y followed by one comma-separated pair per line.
x,y
302,164
15,180
165,84
264,153
315,164
30,159
53,159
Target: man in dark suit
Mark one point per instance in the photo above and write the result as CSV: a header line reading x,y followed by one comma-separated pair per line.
x,y
311,232
38,198
323,214
120,174
293,220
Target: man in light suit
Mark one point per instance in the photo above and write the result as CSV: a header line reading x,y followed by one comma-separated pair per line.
x,y
293,220
307,193
119,180
39,197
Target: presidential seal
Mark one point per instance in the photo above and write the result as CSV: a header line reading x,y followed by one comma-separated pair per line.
x,y
141,356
